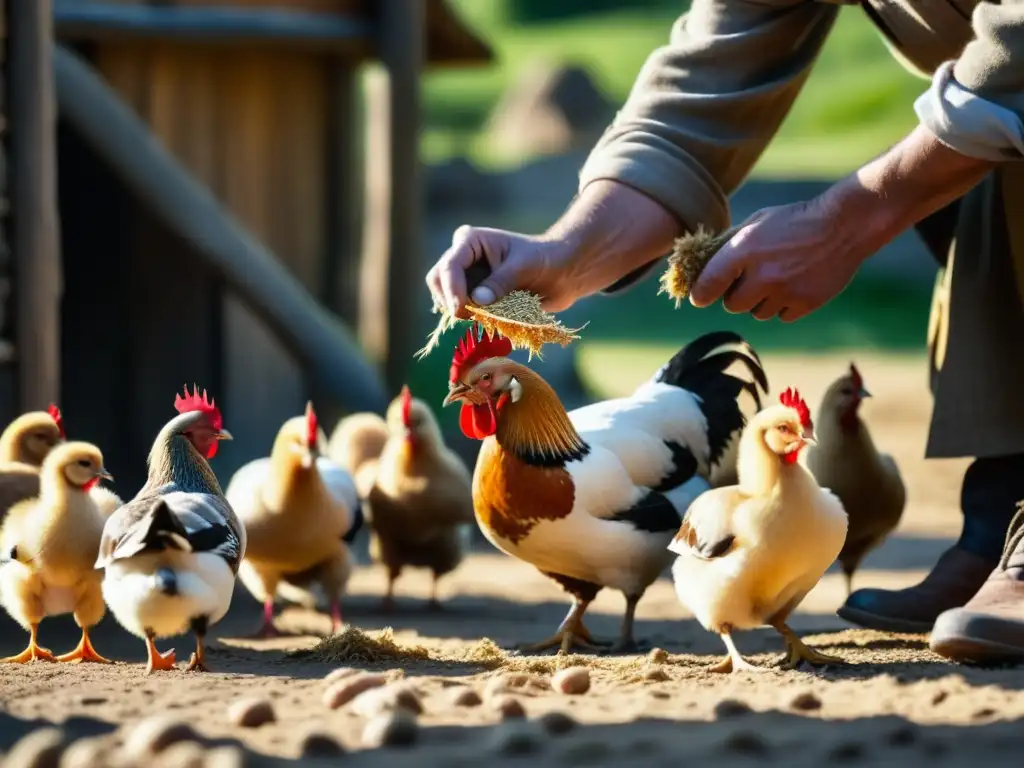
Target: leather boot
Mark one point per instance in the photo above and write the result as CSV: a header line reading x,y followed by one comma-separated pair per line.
x,y
954,580
989,629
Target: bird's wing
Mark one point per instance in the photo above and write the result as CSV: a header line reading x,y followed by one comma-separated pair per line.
x,y
244,489
707,530
604,489
190,522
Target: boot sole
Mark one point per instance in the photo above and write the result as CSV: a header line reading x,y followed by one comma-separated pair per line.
x,y
884,623
976,651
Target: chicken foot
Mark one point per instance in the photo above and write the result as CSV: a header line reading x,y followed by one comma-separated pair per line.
x,y
84,652
34,652
198,661
570,633
156,661
797,651
626,643
734,662
267,629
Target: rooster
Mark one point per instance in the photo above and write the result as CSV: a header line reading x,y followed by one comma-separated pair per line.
x,y
592,498
47,549
846,461
171,554
750,553
300,512
420,498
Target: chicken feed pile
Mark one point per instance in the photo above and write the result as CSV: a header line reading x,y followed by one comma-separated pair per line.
x,y
441,687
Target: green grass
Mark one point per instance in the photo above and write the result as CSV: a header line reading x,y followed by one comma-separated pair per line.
x,y
857,101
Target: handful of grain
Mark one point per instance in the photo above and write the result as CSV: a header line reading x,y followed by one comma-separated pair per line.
x,y
518,317
690,255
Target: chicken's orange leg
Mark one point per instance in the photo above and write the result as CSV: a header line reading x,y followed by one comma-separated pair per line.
x,y
198,661
157,661
84,652
33,652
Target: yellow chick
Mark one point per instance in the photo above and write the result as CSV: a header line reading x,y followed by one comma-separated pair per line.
x,y
48,548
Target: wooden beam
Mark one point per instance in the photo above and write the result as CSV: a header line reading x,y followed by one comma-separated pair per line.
x,y
75,20
393,275
36,229
313,335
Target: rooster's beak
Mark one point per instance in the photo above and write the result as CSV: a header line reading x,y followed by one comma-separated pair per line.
x,y
863,393
223,434
808,437
456,391
102,473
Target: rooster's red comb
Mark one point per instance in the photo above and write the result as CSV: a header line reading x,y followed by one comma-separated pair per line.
x,y
858,382
55,414
406,396
312,426
791,399
476,346
193,402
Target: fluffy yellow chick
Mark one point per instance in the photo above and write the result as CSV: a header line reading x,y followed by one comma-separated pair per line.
x,y
750,553
48,547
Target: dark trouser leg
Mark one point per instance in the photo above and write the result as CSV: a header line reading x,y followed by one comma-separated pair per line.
x,y
991,489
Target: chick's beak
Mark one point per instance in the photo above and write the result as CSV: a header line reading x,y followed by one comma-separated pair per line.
x,y
223,434
102,473
456,391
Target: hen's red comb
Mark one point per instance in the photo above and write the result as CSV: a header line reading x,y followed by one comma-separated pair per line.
x,y
406,404
193,402
472,350
312,427
858,382
55,414
791,399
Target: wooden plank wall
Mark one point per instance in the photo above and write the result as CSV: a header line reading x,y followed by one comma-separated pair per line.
x,y
251,125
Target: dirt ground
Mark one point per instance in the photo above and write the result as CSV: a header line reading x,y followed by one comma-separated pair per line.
x,y
894,701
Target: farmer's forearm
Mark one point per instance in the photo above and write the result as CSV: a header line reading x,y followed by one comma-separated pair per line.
x,y
896,190
611,230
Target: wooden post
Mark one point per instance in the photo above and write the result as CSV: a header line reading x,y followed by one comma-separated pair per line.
x,y
340,279
36,229
392,272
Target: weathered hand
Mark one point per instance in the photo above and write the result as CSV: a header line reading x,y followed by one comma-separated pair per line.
x,y
517,261
787,260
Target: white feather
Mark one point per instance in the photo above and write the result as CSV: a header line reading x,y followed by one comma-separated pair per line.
x,y
205,586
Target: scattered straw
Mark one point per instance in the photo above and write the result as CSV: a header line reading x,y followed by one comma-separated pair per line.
x,y
690,255
518,317
357,646
352,645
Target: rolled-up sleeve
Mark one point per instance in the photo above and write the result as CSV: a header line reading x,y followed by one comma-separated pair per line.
x,y
976,103
705,106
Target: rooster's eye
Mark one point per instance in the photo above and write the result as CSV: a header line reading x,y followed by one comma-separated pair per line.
x,y
485,377
784,429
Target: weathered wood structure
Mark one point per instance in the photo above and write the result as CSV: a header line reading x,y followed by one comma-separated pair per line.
x,y
255,150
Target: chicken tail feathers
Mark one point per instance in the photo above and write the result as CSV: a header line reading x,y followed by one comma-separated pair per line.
x,y
700,367
160,530
357,523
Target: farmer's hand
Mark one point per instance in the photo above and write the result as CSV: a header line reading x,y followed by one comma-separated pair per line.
x,y
532,263
607,232
786,260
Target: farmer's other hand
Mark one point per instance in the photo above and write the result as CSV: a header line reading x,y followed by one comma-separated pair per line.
x,y
787,260
532,263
